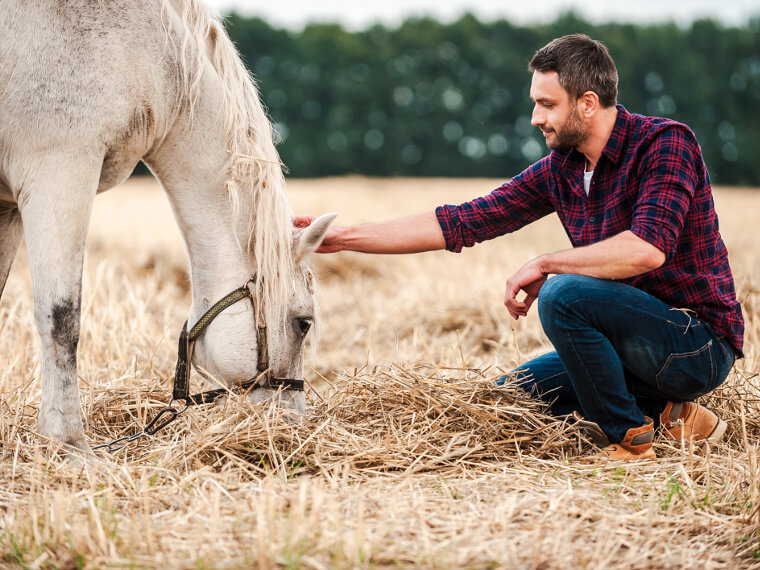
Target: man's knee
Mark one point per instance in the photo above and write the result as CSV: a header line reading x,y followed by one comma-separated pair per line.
x,y
560,291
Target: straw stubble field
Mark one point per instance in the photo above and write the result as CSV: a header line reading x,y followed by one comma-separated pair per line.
x,y
408,456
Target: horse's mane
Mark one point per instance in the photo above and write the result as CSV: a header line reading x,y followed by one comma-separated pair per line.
x,y
254,165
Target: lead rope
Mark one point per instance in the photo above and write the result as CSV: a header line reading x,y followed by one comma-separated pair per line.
x,y
181,388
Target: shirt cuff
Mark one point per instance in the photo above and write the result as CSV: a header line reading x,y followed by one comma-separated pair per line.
x,y
653,237
448,219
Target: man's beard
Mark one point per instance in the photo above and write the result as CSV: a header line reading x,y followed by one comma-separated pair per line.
x,y
569,136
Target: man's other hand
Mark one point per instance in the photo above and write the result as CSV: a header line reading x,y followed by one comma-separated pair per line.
x,y
529,278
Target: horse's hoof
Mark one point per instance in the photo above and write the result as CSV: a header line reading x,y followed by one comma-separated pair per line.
x,y
79,458
77,453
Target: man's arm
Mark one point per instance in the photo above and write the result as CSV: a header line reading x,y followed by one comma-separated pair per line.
x,y
513,205
621,256
411,234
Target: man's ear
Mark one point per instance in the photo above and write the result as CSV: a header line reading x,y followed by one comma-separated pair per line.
x,y
310,238
588,104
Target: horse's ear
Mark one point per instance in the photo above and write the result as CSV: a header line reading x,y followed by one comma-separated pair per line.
x,y
310,238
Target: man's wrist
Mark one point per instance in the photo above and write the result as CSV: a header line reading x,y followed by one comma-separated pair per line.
x,y
345,238
544,263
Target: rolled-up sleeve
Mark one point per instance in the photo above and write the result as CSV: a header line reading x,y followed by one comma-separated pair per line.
x,y
666,189
513,205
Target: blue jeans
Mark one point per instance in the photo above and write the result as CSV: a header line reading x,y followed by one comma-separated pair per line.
x,y
620,354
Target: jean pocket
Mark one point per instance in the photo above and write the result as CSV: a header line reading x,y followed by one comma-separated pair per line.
x,y
688,375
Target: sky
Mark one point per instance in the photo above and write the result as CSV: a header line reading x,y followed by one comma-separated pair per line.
x,y
359,14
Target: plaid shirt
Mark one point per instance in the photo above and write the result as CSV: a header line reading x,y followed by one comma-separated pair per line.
x,y
651,179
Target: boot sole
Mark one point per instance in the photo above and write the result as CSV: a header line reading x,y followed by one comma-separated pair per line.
x,y
715,435
718,432
602,459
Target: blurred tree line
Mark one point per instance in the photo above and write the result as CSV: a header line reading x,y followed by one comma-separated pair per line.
x,y
433,99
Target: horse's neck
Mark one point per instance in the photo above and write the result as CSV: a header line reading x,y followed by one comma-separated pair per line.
x,y
217,264
191,166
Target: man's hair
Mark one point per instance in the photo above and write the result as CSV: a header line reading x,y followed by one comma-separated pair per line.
x,y
582,64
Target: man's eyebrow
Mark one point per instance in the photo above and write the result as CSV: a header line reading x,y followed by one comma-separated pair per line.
x,y
542,99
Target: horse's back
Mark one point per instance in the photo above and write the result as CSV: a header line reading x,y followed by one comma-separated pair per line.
x,y
82,77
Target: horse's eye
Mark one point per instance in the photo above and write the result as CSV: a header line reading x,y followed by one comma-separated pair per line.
x,y
304,324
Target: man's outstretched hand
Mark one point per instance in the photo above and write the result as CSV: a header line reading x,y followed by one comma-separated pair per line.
x,y
529,278
301,222
330,243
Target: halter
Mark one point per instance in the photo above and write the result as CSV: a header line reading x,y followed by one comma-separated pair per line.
x,y
181,390
187,340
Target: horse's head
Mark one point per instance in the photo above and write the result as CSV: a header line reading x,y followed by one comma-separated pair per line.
x,y
233,349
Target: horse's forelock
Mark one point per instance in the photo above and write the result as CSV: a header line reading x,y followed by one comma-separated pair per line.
x,y
255,181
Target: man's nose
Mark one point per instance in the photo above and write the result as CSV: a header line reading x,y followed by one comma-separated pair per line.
x,y
537,118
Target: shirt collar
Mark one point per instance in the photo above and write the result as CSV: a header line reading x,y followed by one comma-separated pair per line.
x,y
614,147
572,160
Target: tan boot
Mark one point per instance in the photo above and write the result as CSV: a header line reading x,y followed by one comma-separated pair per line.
x,y
636,443
689,420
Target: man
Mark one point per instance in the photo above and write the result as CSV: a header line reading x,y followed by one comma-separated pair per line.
x,y
642,310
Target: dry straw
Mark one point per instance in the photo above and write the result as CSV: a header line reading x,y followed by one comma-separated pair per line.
x,y
378,448
389,420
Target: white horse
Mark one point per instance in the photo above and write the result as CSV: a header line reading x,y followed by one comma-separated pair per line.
x,y
87,89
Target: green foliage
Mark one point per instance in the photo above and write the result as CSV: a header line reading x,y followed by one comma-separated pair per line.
x,y
673,490
433,99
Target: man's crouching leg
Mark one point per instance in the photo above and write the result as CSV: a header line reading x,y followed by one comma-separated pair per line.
x,y
618,344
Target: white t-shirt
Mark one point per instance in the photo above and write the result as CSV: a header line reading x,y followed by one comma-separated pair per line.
x,y
587,180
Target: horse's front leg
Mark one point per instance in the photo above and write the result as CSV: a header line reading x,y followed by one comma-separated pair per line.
x,y
10,239
55,213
